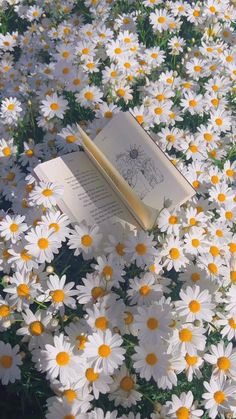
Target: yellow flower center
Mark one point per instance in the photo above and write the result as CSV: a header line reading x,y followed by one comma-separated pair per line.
x,y
195,242
197,68
230,172
23,291
144,290
62,358
129,318
191,360
66,70
233,276
71,139
160,97
104,351
139,118
185,335
54,106
195,276
141,249
43,243
87,240
76,81
101,323
6,361
121,92
158,111
232,247
215,102
11,107
4,310
127,384
161,19
214,251
183,413
218,121
219,397
214,179
107,271
223,363
6,151
152,323
58,296
212,9
193,103
174,253
208,137
108,114
196,184
69,417
36,328
97,292
47,192
232,323
151,359
70,395
194,306
89,95
170,138
91,375
173,219
55,226
14,227
120,249
192,221
212,268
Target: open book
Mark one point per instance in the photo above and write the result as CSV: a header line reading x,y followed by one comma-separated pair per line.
x,y
121,175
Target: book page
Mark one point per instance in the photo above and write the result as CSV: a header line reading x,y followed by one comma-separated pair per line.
x,y
142,164
87,195
144,214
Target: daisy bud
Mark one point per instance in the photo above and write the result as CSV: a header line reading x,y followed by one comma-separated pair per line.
x,y
54,323
157,407
197,323
6,323
76,319
65,318
29,102
6,278
22,354
50,269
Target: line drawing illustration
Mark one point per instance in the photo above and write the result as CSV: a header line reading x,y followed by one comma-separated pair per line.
x,y
138,169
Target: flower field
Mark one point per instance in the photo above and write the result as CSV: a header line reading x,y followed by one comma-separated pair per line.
x,y
118,323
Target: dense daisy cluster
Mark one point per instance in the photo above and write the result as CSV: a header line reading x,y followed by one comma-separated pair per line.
x,y
119,323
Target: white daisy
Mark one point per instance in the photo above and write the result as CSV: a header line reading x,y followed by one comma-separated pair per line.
x,y
151,361
54,105
195,304
58,360
43,243
11,228
183,407
60,293
46,194
220,396
104,351
10,360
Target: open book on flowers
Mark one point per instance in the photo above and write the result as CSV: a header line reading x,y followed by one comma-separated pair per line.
x,y
121,175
